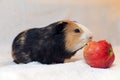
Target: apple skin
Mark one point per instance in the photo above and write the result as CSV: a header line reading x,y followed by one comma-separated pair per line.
x,y
99,54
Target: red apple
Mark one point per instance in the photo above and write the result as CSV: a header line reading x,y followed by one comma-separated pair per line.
x,y
99,54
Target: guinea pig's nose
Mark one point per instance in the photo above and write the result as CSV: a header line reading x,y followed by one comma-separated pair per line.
x,y
90,37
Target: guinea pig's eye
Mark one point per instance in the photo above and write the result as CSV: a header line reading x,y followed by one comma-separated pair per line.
x,y
77,31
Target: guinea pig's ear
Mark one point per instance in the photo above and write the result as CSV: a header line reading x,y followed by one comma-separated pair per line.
x,y
60,26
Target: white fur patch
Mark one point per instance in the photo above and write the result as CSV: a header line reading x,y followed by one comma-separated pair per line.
x,y
84,38
86,32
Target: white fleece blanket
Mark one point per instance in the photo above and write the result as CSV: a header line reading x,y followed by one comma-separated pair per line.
x,y
74,69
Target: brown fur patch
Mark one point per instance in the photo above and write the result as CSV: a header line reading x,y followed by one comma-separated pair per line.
x,y
71,37
23,37
22,41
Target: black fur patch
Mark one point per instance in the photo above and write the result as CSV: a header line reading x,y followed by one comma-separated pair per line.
x,y
45,45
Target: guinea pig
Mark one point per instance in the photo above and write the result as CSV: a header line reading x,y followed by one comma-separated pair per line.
x,y
51,44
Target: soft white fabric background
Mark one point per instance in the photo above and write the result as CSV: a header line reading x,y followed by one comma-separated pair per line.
x,y
102,17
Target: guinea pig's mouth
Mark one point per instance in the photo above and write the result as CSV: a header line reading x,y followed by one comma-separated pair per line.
x,y
81,47
84,42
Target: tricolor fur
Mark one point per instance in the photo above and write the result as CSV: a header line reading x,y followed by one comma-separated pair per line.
x,y
51,44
